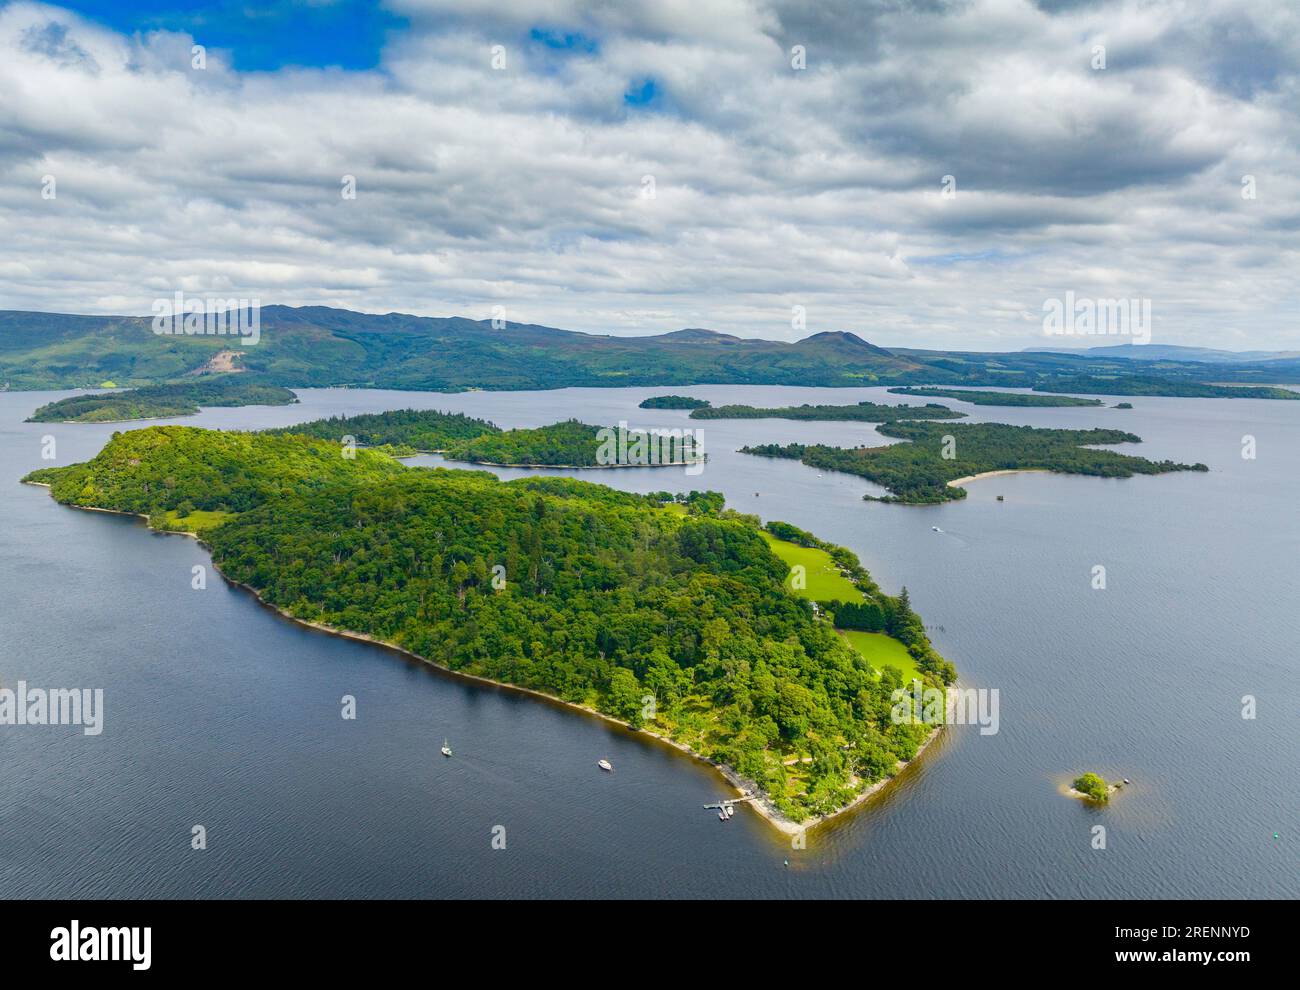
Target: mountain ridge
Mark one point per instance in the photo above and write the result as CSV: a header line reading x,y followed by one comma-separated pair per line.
x,y
321,346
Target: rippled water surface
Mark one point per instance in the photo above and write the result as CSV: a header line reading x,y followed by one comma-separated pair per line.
x,y
220,713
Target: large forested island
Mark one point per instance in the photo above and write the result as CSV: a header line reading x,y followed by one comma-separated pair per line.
x,y
861,412
569,444
163,401
981,397
463,438
575,444
405,430
670,614
938,457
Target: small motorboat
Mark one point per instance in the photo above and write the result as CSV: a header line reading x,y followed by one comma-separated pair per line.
x,y
722,816
936,529
605,765
730,810
446,750
1002,498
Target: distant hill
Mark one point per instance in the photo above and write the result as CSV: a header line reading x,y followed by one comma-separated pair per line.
x,y
317,345
321,346
1161,352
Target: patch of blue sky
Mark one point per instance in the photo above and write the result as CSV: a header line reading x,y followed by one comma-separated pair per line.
x,y
260,37
564,41
643,93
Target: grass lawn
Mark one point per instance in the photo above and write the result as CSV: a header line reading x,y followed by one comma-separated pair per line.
x,y
880,651
825,583
196,522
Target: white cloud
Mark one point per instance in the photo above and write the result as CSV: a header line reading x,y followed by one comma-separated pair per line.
x,y
773,187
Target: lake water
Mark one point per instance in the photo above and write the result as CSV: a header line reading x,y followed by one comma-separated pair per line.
x,y
219,713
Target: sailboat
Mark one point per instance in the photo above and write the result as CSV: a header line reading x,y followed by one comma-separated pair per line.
x,y
446,750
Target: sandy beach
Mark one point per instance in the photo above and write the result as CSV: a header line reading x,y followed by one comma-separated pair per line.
x,y
958,482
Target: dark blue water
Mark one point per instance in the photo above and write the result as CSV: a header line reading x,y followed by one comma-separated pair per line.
x,y
219,713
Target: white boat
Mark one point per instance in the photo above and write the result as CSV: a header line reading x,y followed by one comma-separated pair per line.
x,y
730,810
605,765
446,750
722,816
936,529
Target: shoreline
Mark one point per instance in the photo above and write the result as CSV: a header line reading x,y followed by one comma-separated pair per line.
x,y
567,467
142,419
761,803
958,482
1111,791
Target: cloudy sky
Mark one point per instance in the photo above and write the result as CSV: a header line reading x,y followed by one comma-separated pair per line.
x,y
646,165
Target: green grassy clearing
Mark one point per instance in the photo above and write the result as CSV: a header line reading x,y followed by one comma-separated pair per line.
x,y
825,583
196,522
880,651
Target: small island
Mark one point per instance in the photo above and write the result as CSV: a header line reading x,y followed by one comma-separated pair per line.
x,y
940,458
991,398
163,401
674,402
862,412
1123,405
671,615
1092,787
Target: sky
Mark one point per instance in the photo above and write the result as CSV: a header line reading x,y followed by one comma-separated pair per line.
x,y
924,174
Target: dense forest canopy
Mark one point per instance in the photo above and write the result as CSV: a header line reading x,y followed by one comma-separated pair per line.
x,y
919,471
862,412
575,444
163,401
569,443
407,430
673,402
672,616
